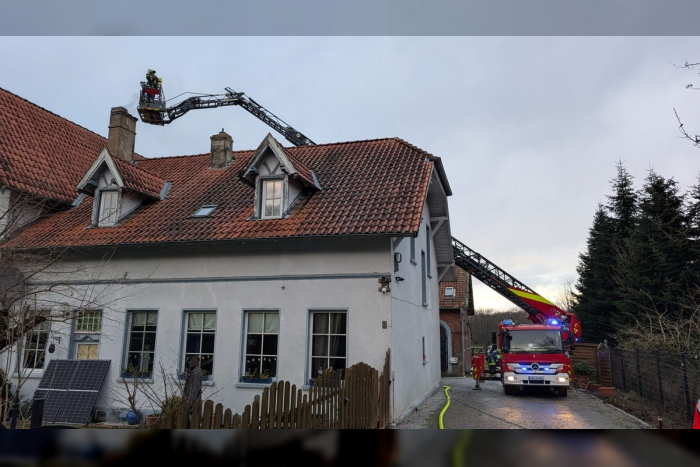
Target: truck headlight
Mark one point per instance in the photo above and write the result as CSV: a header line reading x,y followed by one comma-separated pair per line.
x,y
511,378
562,379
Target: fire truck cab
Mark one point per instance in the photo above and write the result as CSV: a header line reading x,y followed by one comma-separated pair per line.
x,y
533,356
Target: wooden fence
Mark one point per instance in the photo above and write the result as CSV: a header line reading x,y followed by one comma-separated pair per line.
x,y
598,356
362,399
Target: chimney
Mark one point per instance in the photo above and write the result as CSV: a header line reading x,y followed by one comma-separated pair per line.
x,y
221,150
122,134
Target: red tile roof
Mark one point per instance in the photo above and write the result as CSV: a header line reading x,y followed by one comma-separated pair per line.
x,y
41,153
461,288
369,188
139,179
302,171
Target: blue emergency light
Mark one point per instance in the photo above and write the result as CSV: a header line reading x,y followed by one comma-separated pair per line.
x,y
553,322
508,322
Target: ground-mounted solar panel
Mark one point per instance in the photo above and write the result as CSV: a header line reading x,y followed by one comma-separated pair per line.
x,y
59,374
70,388
76,407
52,404
89,375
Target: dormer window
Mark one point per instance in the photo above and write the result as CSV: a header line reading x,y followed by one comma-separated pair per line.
x,y
272,199
205,211
109,208
449,291
280,179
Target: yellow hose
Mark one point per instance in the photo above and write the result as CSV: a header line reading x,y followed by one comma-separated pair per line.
x,y
444,409
461,447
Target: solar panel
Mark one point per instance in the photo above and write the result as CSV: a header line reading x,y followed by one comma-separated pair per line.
x,y
52,404
76,407
59,374
89,375
70,389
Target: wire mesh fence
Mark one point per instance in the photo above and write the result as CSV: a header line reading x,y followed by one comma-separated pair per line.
x,y
669,381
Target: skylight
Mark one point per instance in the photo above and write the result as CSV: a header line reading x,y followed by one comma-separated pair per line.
x,y
449,291
204,211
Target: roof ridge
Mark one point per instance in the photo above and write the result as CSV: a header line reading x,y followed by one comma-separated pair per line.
x,y
416,148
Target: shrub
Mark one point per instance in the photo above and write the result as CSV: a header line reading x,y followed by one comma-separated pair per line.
x,y
583,368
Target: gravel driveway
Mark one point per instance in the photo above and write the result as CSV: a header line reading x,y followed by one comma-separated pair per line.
x,y
491,408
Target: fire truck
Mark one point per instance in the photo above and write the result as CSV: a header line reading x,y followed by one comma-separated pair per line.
x,y
530,355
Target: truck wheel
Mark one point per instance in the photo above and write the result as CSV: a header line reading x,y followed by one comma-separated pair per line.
x,y
563,392
508,390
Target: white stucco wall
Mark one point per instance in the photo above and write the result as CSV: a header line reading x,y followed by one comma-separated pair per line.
x,y
22,211
292,277
411,322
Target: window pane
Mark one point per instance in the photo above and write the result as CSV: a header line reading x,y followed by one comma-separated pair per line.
x,y
194,342
278,188
209,321
254,344
207,365
149,341
207,343
269,366
272,323
39,360
320,346
269,209
41,341
194,321
270,344
133,362
317,366
29,359
252,365
152,319
138,320
136,343
320,323
337,363
276,207
337,348
82,353
147,363
338,323
255,322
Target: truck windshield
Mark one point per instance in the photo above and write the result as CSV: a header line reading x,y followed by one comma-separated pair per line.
x,y
542,341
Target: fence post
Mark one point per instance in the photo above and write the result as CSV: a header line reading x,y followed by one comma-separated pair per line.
x,y
639,375
688,405
622,367
658,374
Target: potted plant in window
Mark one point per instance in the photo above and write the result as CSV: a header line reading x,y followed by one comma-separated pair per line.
x,y
255,377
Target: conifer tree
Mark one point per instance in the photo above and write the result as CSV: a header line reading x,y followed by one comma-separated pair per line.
x,y
596,293
652,265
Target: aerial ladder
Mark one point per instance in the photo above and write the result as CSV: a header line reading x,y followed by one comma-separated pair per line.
x,y
539,309
153,108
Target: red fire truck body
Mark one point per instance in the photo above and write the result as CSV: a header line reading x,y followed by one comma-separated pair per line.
x,y
533,356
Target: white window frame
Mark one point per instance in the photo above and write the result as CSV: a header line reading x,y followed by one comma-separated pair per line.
x,y
244,377
263,197
112,218
207,375
42,328
127,346
450,289
312,334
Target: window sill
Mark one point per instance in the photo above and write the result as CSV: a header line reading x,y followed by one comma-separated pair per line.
x,y
36,374
133,380
254,385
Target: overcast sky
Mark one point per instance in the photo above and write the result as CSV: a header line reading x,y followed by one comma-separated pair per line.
x,y
529,129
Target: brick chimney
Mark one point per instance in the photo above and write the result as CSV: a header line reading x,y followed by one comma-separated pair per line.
x,y
221,150
122,134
